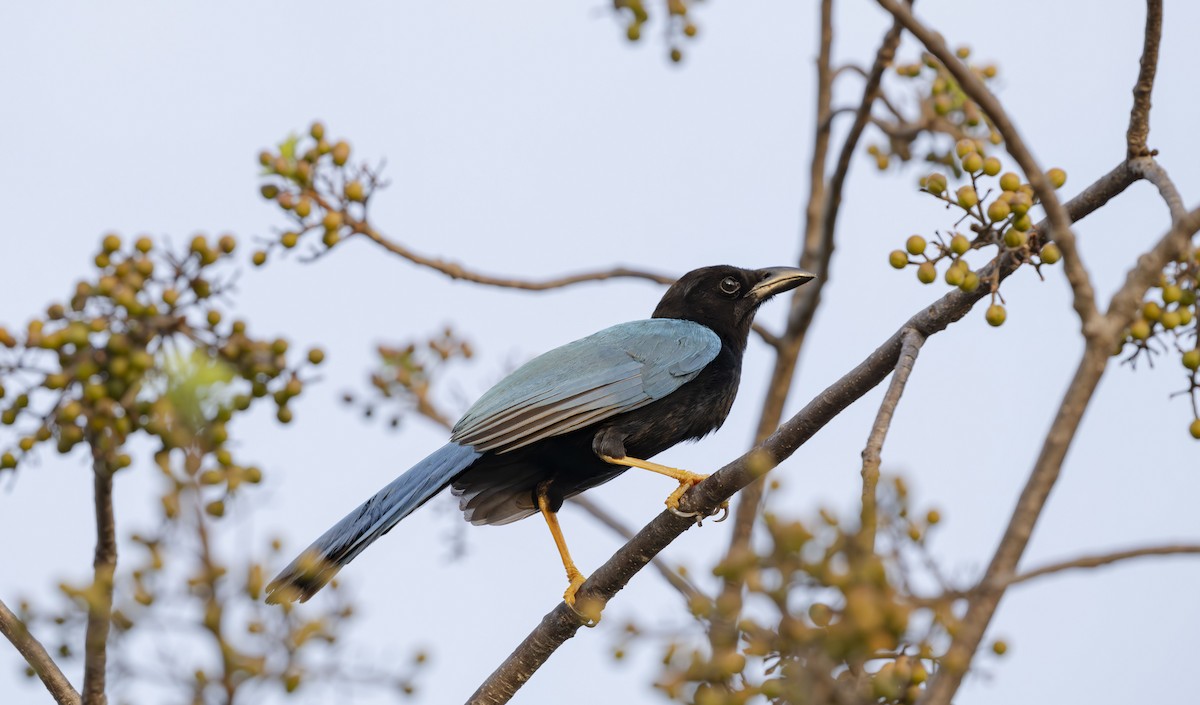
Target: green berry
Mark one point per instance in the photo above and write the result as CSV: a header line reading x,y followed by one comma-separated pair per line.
x,y
995,315
991,166
972,163
970,282
998,211
1015,238
967,198
926,273
915,245
1050,253
955,276
959,244
1023,224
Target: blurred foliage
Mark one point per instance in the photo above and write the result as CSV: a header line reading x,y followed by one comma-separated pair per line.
x,y
831,614
142,349
940,117
677,21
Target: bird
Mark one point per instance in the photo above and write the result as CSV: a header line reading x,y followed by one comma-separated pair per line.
x,y
574,418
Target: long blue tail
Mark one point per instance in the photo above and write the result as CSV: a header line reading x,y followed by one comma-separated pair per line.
x,y
317,565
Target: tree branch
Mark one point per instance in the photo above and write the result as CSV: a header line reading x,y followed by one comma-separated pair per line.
x,y
1105,559
1139,114
35,655
1083,294
457,271
561,623
100,596
871,455
1150,170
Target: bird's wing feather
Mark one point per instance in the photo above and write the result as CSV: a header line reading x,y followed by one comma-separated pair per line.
x,y
611,372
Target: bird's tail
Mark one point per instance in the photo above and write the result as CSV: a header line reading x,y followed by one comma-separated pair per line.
x,y
317,565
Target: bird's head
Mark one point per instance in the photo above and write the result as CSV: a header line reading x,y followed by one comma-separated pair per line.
x,y
724,298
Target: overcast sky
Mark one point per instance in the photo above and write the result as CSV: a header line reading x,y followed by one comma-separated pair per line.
x,y
532,139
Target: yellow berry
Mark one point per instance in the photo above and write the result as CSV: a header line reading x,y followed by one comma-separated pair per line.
x,y
998,211
935,183
317,130
959,244
1010,181
355,191
1171,293
999,647
1023,224
991,166
972,163
970,282
111,243
967,197
1057,177
1171,319
915,245
1050,253
1195,429
995,315
1191,359
1139,329
964,147
316,356
955,276
898,259
926,273
1151,311
332,221
259,258
341,153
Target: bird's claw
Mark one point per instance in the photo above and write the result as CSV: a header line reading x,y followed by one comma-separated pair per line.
x,y
723,510
590,617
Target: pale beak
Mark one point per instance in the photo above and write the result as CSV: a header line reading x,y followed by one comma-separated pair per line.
x,y
776,280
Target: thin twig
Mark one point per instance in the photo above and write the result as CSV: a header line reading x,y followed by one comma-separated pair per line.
x,y
35,655
561,623
1139,115
872,454
690,592
1151,171
457,271
1083,293
1104,559
101,594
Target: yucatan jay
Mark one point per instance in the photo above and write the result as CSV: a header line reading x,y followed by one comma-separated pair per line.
x,y
574,418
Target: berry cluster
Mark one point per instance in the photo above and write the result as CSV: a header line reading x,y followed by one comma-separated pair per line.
x,y
312,180
679,26
1005,223
942,110
142,347
1168,321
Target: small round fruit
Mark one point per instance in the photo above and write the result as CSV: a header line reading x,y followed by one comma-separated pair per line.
x,y
915,245
926,273
332,221
1023,224
1171,320
1057,177
995,315
967,198
999,647
959,244
1191,359
341,153
1139,329
1194,429
1151,311
972,163
355,191
964,147
935,183
1010,181
259,258
898,259
317,130
970,282
1050,253
1171,293
316,356
1015,238
955,276
991,166
289,239
998,211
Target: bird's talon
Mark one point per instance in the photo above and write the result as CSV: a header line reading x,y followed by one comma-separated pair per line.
x,y
724,510
685,515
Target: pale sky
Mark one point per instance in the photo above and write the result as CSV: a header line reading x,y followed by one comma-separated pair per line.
x,y
534,140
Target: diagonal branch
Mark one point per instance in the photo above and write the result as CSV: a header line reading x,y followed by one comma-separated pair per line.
x,y
1139,114
871,455
1104,559
35,655
1083,294
561,623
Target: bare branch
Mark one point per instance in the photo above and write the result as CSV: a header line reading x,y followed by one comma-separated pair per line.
x,y
35,655
1151,171
561,623
457,271
690,592
1105,559
871,455
1084,295
1139,115
100,596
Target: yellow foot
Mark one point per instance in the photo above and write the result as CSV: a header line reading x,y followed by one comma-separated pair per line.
x,y
576,579
685,483
588,610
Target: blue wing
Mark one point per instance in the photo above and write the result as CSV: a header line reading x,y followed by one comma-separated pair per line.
x,y
611,372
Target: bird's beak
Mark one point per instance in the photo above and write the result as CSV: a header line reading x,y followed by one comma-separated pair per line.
x,y
775,280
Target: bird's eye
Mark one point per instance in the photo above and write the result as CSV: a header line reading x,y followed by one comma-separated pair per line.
x,y
730,286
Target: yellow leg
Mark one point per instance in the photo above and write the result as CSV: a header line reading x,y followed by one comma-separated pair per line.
x,y
686,479
573,575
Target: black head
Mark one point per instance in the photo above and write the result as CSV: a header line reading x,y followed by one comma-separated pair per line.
x,y
724,298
